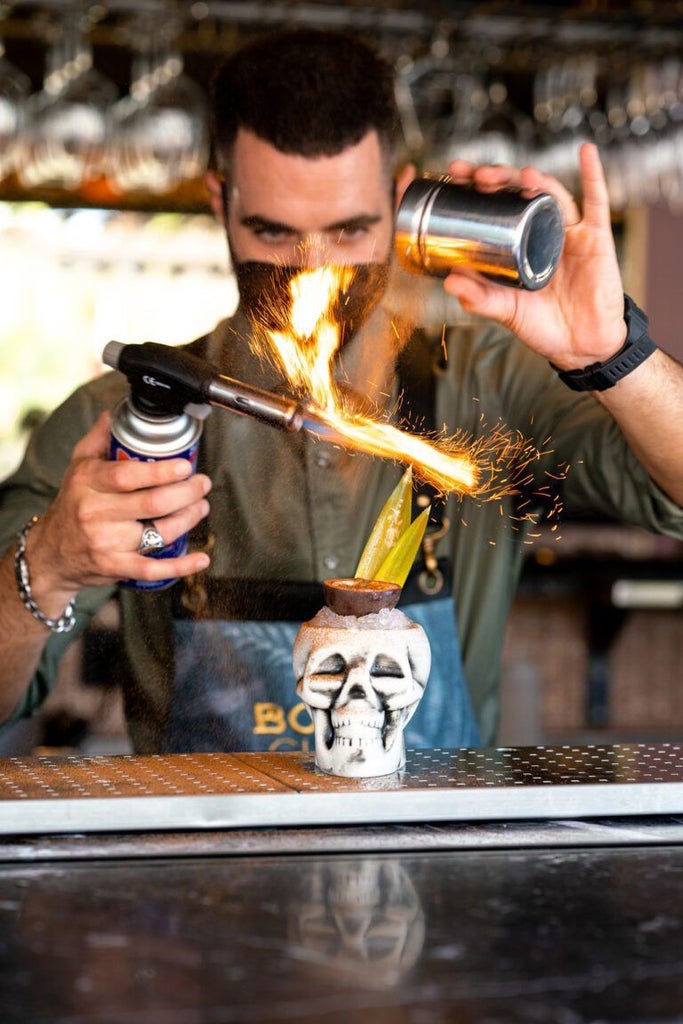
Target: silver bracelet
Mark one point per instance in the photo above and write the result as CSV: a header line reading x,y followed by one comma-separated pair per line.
x,y
67,620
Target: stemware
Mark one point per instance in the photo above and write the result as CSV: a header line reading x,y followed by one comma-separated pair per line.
x,y
565,110
67,123
160,129
14,90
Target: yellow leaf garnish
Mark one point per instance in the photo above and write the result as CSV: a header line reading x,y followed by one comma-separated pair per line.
x,y
391,524
397,564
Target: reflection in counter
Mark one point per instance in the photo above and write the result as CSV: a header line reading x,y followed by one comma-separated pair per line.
x,y
361,920
477,937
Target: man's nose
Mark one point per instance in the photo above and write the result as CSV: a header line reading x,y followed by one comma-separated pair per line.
x,y
312,252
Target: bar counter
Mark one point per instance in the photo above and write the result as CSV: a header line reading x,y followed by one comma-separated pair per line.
x,y
408,899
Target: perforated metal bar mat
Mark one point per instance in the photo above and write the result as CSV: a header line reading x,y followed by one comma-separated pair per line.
x,y
211,791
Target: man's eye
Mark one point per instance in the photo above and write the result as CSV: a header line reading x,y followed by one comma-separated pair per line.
x,y
272,235
351,234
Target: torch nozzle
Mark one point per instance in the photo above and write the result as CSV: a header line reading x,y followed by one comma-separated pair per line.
x,y
165,381
278,411
228,393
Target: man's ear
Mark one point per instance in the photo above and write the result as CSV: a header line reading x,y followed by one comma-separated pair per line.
x,y
403,179
215,189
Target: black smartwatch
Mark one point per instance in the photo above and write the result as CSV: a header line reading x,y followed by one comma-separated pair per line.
x,y
635,350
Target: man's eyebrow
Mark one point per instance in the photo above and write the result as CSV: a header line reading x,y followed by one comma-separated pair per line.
x,y
258,223
263,224
363,220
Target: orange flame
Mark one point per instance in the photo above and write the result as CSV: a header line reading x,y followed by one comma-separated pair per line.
x,y
305,352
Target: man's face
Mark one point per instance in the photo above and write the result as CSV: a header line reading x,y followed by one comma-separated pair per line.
x,y
304,212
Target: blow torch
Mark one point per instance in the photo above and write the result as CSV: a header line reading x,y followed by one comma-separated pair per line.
x,y
167,381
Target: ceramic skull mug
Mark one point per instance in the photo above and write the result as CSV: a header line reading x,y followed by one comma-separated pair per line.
x,y
361,678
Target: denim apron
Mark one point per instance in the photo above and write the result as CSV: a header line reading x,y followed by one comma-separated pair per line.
x,y
234,687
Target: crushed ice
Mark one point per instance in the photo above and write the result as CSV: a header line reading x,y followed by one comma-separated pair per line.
x,y
385,618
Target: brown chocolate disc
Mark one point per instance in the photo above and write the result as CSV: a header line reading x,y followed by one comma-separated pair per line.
x,y
354,596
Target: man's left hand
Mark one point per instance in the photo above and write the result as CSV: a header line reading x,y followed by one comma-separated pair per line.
x,y
578,318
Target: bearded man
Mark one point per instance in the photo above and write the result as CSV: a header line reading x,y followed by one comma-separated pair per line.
x,y
305,134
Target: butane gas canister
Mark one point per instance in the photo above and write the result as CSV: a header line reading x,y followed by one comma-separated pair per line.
x,y
149,438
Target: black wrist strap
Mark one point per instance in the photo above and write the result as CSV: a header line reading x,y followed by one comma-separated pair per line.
x,y
635,350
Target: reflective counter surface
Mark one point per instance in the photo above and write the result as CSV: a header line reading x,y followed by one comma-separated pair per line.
x,y
559,921
566,936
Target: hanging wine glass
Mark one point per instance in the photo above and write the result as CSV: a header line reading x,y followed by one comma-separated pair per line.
x,y
456,137
484,126
565,110
656,126
671,92
14,90
160,130
68,121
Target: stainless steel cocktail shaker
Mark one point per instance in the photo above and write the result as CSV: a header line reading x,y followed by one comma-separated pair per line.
x,y
441,226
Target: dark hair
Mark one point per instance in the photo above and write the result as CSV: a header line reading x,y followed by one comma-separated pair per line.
x,y
306,92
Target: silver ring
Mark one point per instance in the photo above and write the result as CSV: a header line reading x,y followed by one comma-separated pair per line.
x,y
151,539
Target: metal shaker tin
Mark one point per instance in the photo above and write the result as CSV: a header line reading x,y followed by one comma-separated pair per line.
x,y
441,226
138,435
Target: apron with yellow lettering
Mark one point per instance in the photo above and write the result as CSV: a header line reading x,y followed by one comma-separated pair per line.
x,y
234,688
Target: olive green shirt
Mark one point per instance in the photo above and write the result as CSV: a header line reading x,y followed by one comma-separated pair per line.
x,y
292,507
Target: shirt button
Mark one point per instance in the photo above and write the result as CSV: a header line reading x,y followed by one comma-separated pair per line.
x,y
330,562
323,460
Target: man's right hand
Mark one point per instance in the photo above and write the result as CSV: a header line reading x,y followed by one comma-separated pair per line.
x,y
91,533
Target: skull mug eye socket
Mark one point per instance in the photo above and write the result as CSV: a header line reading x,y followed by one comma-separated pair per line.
x,y
383,665
332,666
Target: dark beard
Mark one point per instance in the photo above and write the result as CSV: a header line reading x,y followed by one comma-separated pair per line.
x,y
266,300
